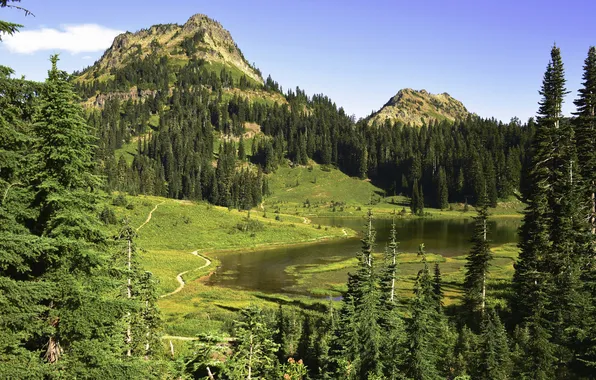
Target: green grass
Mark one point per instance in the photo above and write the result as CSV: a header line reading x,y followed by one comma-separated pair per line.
x,y
216,67
188,226
178,228
319,185
168,263
329,279
352,197
128,151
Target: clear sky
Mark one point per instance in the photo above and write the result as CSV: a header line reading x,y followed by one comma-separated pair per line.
x,y
491,55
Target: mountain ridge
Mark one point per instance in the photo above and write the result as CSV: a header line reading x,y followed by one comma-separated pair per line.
x,y
419,107
199,38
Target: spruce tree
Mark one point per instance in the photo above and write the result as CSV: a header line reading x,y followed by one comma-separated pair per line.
x,y
414,201
477,265
356,345
24,295
585,133
422,359
442,190
494,356
241,149
82,336
254,349
536,262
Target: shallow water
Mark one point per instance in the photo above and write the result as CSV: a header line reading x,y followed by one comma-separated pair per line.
x,y
265,270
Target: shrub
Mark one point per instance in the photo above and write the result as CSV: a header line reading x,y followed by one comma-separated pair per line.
x,y
119,201
107,216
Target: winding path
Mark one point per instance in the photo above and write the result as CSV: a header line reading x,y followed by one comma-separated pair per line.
x,y
179,276
150,215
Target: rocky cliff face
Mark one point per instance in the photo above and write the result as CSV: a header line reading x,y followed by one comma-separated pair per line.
x,y
416,108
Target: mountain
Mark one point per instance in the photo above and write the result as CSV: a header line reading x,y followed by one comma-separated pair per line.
x,y
199,38
415,108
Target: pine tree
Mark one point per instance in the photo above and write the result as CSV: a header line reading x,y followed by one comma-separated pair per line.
x,y
241,150
357,341
442,190
535,267
494,360
477,265
585,133
389,273
24,294
254,350
414,202
82,334
438,288
422,359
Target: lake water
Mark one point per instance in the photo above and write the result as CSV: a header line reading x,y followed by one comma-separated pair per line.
x,y
265,270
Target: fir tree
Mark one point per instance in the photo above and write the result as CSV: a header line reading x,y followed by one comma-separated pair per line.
x,y
422,358
82,335
25,294
442,190
254,350
477,265
241,150
494,357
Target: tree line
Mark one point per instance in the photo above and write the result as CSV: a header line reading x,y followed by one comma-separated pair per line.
x,y
181,122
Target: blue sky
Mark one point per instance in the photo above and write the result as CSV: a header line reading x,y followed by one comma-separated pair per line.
x,y
491,55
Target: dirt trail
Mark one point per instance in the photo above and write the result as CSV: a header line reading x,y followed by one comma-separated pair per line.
x,y
306,220
179,276
344,231
150,215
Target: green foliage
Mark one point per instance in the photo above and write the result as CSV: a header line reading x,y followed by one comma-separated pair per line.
x,y
477,266
254,349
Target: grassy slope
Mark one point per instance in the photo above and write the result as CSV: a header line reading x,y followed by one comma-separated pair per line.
x,y
291,187
179,227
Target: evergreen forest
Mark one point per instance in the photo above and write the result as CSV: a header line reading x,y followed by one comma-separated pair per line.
x,y
78,302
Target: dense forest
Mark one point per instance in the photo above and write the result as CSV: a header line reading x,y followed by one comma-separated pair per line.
x,y
446,162
76,303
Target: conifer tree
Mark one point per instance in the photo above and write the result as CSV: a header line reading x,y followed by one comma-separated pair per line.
x,y
494,361
442,190
414,201
24,293
536,263
357,340
241,149
82,335
254,350
585,133
422,359
478,264
389,274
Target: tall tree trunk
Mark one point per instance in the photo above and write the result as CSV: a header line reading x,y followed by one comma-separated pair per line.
x,y
249,376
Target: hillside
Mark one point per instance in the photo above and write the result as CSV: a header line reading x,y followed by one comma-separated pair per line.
x,y
199,38
139,65
416,108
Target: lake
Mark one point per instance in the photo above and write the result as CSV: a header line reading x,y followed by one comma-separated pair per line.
x,y
266,270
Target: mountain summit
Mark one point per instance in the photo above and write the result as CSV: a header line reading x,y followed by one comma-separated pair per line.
x,y
416,108
199,38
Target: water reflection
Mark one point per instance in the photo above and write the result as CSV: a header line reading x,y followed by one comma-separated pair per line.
x,y
265,270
